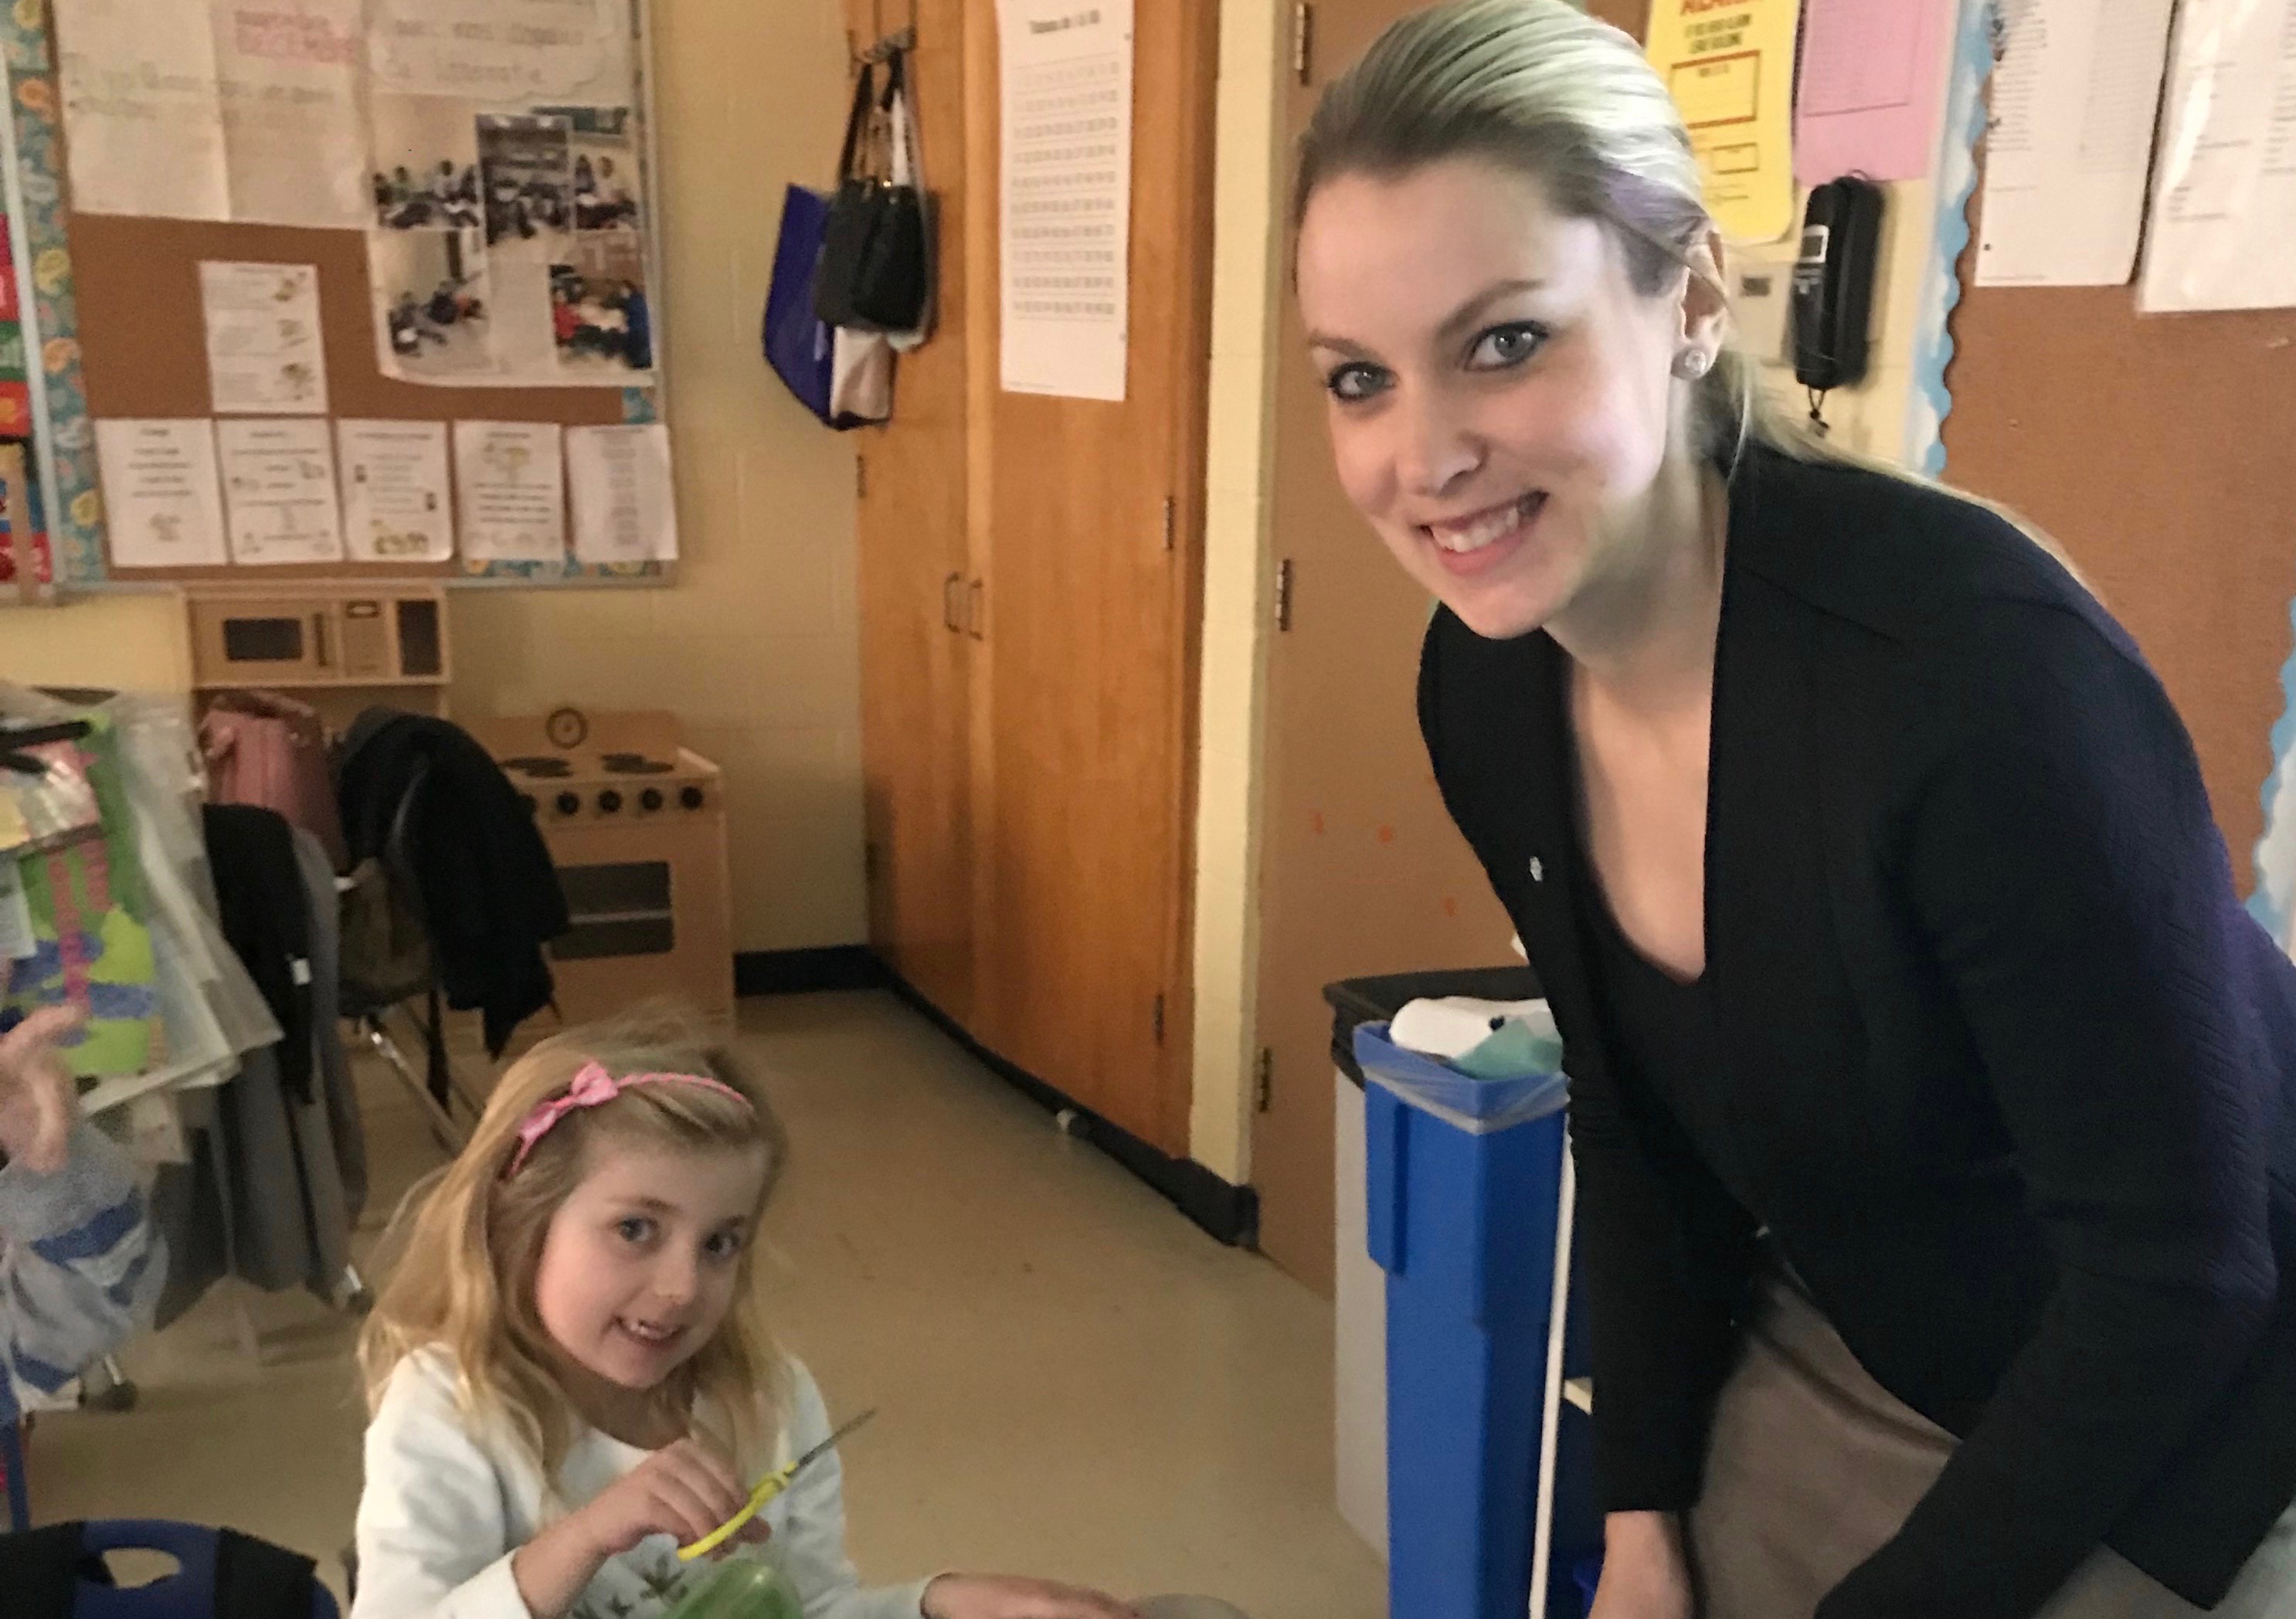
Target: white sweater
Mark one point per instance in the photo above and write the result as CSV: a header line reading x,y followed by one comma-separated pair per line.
x,y
445,1505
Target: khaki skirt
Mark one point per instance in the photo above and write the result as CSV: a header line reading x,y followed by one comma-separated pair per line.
x,y
1814,1466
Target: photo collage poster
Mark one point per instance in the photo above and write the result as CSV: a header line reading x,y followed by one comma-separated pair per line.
x,y
508,243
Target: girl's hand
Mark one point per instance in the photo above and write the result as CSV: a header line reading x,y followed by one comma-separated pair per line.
x,y
1010,1597
38,1101
684,1491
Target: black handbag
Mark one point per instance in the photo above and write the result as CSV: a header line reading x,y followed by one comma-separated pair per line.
x,y
874,274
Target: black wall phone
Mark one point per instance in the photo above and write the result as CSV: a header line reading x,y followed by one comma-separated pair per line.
x,y
1833,284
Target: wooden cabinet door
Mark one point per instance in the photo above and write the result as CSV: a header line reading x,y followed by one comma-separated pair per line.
x,y
1090,532
1361,869
915,572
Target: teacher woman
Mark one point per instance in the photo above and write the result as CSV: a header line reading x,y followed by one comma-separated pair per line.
x,y
1932,1094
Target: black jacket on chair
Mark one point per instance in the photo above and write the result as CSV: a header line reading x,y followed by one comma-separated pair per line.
x,y
2011,1076
490,894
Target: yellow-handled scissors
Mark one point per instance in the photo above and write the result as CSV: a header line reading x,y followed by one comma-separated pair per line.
x,y
770,1486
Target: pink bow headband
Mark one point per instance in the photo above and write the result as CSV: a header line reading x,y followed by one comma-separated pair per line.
x,y
593,1087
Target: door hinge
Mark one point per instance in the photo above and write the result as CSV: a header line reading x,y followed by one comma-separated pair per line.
x,y
1303,39
1158,1019
872,860
1172,521
860,478
1263,1081
1284,594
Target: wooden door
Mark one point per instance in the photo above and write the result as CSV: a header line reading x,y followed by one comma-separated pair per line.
x,y
1361,872
1089,530
914,571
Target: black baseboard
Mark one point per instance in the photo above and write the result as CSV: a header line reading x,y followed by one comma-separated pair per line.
x,y
1226,1212
797,972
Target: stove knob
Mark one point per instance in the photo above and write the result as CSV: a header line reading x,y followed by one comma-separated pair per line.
x,y
568,803
525,802
650,799
690,796
610,802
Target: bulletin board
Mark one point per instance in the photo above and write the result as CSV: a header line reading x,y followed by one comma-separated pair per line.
x,y
2156,450
120,333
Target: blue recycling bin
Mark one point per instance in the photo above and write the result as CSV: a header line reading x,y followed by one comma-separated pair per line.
x,y
1463,1196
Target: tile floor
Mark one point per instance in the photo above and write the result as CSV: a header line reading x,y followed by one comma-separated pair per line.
x,y
1074,1380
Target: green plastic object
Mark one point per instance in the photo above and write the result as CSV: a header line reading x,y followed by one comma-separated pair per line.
x,y
1513,1049
739,1588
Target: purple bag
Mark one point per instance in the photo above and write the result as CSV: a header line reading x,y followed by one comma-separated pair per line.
x,y
798,345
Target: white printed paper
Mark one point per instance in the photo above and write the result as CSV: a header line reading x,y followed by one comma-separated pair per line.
x,y
510,486
225,110
279,492
504,51
396,497
162,504
1066,219
2071,140
287,81
624,504
143,114
264,353
2223,215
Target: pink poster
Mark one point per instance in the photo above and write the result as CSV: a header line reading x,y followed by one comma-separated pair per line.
x,y
1872,85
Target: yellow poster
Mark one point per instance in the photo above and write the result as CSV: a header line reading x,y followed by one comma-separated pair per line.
x,y
1730,65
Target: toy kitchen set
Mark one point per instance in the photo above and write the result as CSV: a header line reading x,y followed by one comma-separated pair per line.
x,y
635,823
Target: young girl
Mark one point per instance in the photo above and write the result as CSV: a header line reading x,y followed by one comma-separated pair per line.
x,y
570,1374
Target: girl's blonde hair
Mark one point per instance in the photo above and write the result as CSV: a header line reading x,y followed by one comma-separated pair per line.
x,y
1539,88
464,1245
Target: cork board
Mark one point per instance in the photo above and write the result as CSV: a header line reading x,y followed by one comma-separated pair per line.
x,y
2155,449
121,333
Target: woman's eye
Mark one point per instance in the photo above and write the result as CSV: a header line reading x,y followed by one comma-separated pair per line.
x,y
725,1245
635,1229
1505,346
1356,381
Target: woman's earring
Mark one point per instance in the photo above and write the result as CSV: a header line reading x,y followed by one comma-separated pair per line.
x,y
1691,363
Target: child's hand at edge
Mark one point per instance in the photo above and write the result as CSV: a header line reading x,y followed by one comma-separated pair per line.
x,y
38,1101
1011,1597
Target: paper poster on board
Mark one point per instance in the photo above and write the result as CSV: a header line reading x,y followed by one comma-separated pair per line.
x,y
397,503
162,502
1729,65
2070,142
505,51
624,506
223,110
279,491
2224,210
143,109
295,139
510,249
509,490
1872,85
264,351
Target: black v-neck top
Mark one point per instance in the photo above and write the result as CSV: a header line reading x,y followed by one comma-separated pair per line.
x,y
1986,1039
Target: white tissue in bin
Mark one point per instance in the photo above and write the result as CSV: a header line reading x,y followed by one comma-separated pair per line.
x,y
1449,1027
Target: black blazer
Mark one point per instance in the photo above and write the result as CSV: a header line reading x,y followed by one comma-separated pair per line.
x,y
2010,1072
